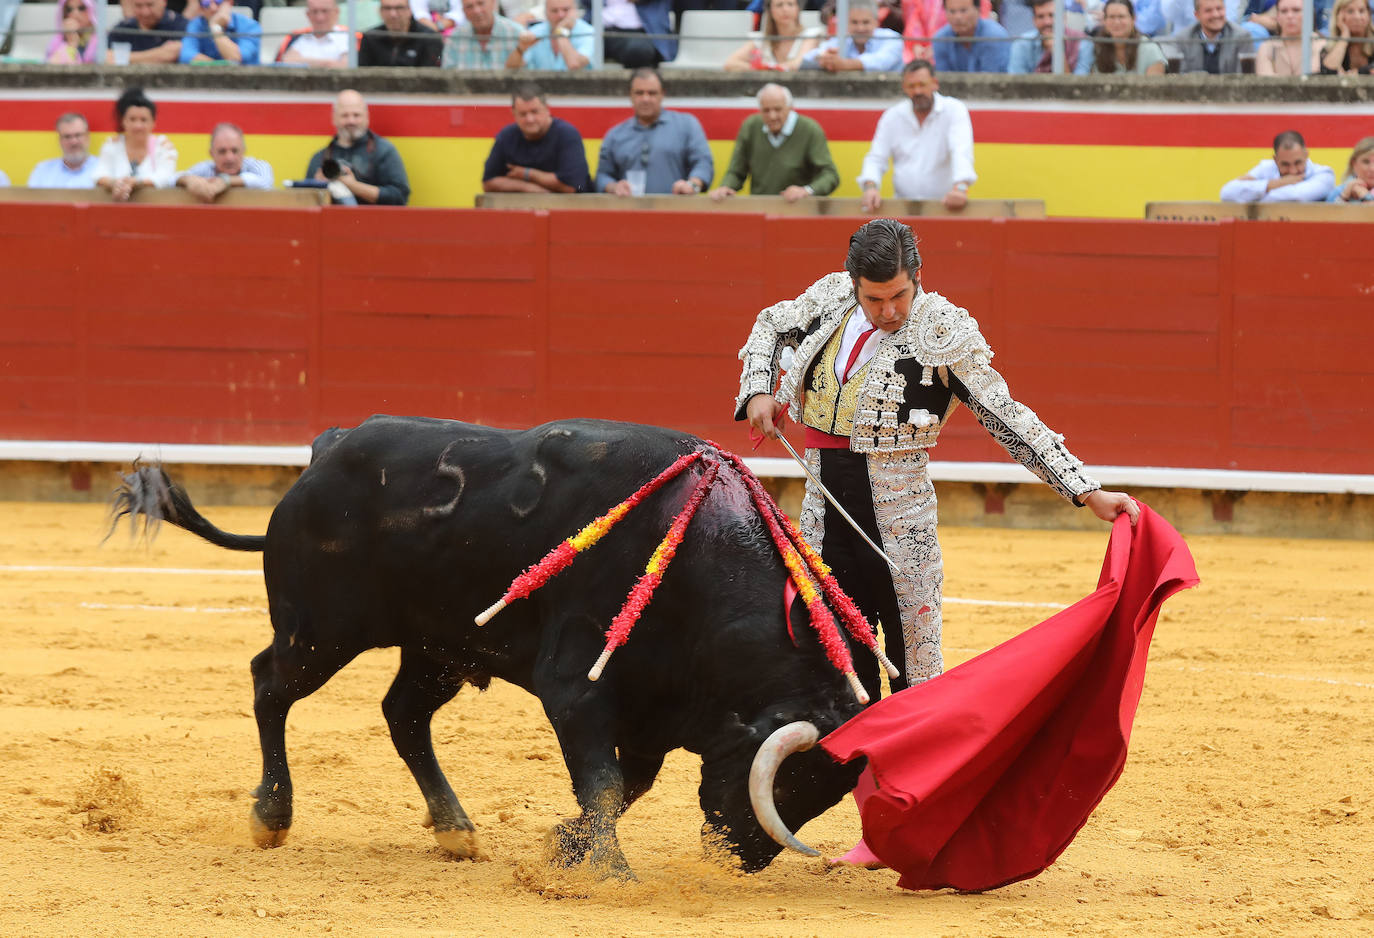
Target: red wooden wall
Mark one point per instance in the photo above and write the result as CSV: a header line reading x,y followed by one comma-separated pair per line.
x,y
1222,345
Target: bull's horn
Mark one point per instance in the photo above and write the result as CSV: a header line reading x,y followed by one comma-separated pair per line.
x,y
794,737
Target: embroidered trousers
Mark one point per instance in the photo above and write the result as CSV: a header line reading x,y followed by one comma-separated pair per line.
x,y
891,496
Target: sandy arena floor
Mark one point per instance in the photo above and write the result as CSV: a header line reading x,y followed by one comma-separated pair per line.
x,y
129,751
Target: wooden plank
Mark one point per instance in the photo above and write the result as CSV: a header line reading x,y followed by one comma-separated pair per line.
x,y
406,261
1114,238
231,367
450,368
438,299
1183,275
125,323
424,330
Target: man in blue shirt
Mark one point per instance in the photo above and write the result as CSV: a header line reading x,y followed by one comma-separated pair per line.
x,y
564,42
656,151
967,43
867,47
538,153
220,34
75,168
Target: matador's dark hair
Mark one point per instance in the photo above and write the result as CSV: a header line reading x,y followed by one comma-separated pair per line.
x,y
881,249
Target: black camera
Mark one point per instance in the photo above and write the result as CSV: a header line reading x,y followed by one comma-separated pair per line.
x,y
331,168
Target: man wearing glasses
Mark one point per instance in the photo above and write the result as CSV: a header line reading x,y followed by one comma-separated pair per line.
x,y
220,34
655,152
400,41
75,168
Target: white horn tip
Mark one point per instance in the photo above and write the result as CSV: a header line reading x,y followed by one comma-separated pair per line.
x,y
484,617
860,694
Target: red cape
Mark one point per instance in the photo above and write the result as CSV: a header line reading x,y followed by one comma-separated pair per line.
x,y
985,774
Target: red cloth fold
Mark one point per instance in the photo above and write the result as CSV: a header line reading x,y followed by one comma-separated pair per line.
x,y
985,774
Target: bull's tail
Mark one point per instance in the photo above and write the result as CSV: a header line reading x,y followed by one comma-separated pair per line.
x,y
148,492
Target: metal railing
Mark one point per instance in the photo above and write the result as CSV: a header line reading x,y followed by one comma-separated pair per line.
x,y
350,10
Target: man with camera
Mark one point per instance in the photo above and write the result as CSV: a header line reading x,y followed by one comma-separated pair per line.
x,y
367,165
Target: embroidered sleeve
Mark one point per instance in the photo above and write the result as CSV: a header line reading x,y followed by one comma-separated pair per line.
x,y
1014,425
781,326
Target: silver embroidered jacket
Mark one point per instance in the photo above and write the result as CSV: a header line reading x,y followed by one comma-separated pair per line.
x,y
900,407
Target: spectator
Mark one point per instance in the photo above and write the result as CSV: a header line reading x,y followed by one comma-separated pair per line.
x,y
153,34
137,158
1033,51
1342,56
1289,177
1282,55
866,48
922,19
969,43
1214,43
1120,47
75,168
780,151
538,153
779,43
400,41
1358,183
221,34
228,167
1179,15
369,166
1260,19
485,40
655,151
626,25
75,41
564,42
322,44
929,140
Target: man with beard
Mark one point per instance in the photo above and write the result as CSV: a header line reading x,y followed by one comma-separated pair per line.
x,y
75,168
929,141
367,165
1033,50
538,153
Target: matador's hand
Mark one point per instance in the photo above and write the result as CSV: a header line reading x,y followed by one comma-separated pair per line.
x,y
762,411
1107,505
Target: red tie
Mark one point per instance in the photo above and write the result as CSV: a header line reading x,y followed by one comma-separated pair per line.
x,y
854,352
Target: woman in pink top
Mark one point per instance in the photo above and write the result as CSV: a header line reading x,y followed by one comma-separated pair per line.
x,y
75,40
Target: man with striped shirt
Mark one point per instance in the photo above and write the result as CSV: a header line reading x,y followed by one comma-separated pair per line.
x,y
229,167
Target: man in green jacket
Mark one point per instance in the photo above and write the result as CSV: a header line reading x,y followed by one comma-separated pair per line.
x,y
782,152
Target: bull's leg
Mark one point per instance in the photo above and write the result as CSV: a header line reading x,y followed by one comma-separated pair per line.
x,y
421,687
571,840
283,673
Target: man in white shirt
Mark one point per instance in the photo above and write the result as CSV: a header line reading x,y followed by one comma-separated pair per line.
x,y
75,168
929,141
324,44
229,166
1289,177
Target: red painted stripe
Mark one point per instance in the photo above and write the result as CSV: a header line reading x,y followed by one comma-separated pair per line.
x,y
1066,127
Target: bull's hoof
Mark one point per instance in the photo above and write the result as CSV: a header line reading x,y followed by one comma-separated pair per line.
x,y
264,835
567,843
462,844
613,867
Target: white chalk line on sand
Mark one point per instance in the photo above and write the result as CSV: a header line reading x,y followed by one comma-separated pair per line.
x,y
230,610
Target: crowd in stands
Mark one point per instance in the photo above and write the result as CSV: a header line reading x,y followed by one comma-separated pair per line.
x,y
925,140
1144,37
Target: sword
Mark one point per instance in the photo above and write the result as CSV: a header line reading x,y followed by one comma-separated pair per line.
x,y
836,505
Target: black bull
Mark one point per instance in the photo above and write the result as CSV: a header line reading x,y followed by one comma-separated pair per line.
x,y
403,529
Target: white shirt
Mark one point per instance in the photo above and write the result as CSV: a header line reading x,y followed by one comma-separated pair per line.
x,y
331,46
621,14
159,167
927,159
858,324
1317,183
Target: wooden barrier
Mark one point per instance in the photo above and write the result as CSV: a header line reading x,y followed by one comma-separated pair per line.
x,y
760,204
1212,345
1260,211
240,198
